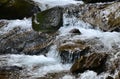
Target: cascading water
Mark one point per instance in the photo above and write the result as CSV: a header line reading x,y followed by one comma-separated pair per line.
x,y
36,66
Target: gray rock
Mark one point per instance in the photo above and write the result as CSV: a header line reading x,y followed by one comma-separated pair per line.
x,y
26,42
48,21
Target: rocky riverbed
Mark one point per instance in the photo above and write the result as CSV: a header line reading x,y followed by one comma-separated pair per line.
x,y
60,39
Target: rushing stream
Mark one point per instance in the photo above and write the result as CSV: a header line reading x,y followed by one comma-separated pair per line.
x,y
38,66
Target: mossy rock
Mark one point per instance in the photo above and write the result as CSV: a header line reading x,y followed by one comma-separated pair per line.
x,y
17,9
95,1
48,21
3,2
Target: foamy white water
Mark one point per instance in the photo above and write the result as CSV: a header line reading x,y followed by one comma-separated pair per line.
x,y
45,4
108,38
37,65
40,65
24,24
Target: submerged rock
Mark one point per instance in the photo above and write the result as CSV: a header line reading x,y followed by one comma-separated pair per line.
x,y
95,62
48,21
17,9
75,31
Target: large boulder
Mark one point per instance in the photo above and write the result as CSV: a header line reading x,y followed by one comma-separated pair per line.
x,y
48,21
95,62
17,9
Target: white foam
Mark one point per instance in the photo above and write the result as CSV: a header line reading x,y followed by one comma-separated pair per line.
x,y
24,24
45,4
109,39
39,65
92,75
68,77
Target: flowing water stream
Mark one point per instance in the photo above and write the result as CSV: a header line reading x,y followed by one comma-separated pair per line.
x,y
40,65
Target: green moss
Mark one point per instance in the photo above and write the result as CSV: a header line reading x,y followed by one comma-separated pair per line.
x,y
44,21
17,9
3,1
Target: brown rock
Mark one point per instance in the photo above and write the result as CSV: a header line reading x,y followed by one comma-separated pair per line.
x,y
118,76
95,62
105,16
70,52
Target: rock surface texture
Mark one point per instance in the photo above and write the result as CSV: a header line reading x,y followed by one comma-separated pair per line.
x,y
49,20
17,9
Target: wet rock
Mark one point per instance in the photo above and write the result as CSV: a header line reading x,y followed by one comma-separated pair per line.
x,y
10,72
54,75
17,9
69,57
10,68
95,1
23,42
118,75
102,16
105,16
109,77
75,31
48,21
114,65
95,62
3,23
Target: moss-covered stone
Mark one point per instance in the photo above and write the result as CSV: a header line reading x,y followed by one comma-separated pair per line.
x,y
17,9
48,21
3,2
